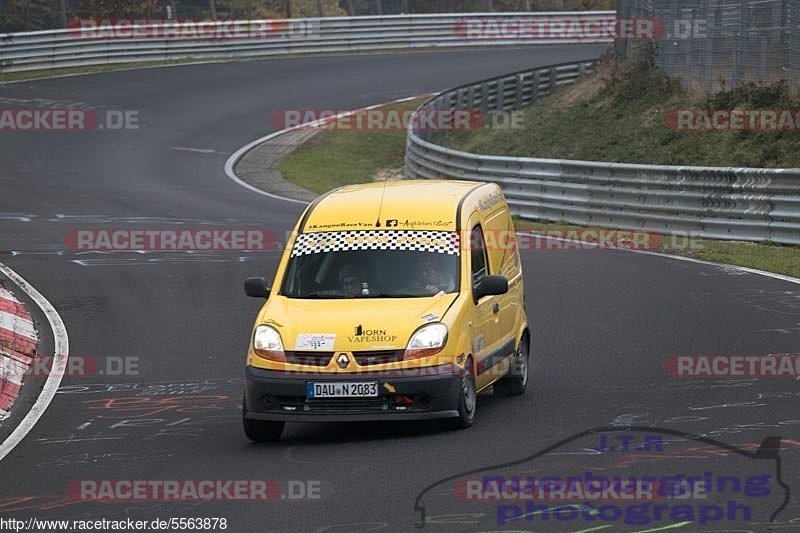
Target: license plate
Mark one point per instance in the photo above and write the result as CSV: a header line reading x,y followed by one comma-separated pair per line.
x,y
341,389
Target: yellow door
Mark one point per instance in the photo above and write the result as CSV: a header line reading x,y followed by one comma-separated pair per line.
x,y
504,260
486,343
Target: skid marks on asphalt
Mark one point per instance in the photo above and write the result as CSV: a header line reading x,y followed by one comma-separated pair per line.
x,y
147,411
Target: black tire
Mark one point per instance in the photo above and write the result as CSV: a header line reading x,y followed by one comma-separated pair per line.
x,y
261,430
516,381
467,400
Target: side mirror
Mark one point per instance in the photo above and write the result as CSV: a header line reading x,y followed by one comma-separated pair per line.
x,y
256,288
490,286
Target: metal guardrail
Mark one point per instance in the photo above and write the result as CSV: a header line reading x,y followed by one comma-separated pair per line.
x,y
76,47
719,203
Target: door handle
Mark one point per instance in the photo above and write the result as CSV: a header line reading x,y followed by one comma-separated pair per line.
x,y
495,308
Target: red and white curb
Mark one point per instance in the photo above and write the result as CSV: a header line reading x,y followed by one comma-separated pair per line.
x,y
18,342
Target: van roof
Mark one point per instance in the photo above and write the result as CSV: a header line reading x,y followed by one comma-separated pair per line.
x,y
406,204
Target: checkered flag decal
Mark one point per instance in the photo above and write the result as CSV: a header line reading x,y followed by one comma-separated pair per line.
x,y
440,242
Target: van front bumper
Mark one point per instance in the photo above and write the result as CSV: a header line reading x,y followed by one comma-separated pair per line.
x,y
418,394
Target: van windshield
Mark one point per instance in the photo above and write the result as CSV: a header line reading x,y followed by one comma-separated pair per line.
x,y
373,264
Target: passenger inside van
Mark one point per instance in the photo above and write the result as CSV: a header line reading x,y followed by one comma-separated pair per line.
x,y
431,276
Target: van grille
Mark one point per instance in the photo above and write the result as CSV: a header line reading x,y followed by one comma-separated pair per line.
x,y
309,358
378,357
347,405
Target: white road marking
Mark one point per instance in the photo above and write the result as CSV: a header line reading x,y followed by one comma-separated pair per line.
x,y
61,354
195,150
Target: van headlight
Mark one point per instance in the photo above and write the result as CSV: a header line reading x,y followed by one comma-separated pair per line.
x,y
426,341
267,344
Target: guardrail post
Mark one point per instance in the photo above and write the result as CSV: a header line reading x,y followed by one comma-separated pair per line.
x,y
460,99
501,95
537,75
485,97
471,97
520,91
553,77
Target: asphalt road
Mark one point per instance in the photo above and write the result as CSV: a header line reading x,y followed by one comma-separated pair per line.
x,y
603,322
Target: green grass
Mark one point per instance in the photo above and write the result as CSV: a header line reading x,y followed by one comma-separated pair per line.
x,y
762,256
618,115
338,156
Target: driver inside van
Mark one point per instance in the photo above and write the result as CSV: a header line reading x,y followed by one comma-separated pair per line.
x,y
350,280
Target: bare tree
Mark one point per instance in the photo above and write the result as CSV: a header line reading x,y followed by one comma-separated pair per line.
x,y
212,6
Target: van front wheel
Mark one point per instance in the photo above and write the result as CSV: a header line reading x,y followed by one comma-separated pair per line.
x,y
261,430
516,381
467,401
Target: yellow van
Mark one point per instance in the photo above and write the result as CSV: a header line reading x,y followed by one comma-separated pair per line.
x,y
392,301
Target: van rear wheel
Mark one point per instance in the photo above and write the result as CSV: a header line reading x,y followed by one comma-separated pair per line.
x,y
467,401
261,430
516,381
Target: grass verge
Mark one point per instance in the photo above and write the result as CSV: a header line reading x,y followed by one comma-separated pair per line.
x,y
627,113
341,156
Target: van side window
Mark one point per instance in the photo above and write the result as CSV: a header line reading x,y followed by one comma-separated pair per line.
x,y
478,255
